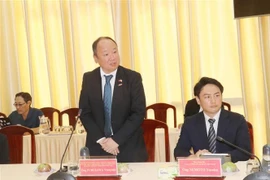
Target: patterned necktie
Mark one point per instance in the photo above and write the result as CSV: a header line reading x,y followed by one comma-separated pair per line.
x,y
212,136
108,106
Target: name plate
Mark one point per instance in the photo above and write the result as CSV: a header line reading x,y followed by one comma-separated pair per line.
x,y
98,167
200,167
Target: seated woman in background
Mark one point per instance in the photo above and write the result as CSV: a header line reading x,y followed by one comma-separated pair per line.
x,y
24,114
4,155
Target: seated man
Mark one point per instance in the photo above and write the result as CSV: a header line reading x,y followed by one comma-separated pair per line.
x,y
200,130
24,114
4,155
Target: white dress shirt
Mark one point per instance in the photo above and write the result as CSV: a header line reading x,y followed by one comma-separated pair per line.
x,y
215,125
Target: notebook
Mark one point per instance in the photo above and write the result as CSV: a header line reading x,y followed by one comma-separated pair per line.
x,y
4,122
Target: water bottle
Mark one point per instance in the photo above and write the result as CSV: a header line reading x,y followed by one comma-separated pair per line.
x,y
266,158
84,153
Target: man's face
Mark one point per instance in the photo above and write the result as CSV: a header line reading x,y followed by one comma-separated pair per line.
x,y
210,99
107,55
21,105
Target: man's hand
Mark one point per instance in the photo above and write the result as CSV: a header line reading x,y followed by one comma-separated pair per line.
x,y
110,146
200,152
114,152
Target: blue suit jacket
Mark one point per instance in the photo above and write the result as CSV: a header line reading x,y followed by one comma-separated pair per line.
x,y
231,126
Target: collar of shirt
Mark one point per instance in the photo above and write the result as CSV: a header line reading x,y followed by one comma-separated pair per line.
x,y
216,117
103,80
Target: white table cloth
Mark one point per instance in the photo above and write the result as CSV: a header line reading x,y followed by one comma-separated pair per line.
x,y
138,171
50,148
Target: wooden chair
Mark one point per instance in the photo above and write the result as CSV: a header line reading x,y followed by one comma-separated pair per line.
x,y
250,129
3,115
226,106
15,135
160,112
72,114
149,126
49,112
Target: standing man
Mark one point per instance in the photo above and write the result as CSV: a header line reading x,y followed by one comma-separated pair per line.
x,y
113,106
200,130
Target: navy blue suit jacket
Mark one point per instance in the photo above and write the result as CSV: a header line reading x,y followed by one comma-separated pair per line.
x,y
231,127
128,112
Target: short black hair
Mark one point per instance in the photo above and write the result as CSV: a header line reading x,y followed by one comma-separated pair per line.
x,y
204,81
25,95
95,43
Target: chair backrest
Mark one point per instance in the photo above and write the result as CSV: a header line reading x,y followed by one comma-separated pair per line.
x,y
72,114
250,129
226,106
49,112
3,115
160,112
149,126
192,107
15,135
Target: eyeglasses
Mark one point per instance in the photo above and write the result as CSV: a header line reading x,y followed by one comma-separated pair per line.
x,y
19,105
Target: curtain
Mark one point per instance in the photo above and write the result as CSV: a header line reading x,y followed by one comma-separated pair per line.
x,y
46,48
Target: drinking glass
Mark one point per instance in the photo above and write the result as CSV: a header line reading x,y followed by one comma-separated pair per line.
x,y
73,168
66,129
79,127
252,166
57,129
44,125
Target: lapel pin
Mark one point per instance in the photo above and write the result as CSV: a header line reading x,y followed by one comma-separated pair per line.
x,y
120,82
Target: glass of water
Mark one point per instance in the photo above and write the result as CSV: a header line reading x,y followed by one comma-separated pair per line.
x,y
57,129
252,166
73,168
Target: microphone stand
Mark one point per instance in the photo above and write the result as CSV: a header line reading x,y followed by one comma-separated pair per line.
x,y
240,149
261,175
62,174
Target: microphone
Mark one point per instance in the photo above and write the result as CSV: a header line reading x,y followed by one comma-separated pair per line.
x,y
62,174
261,175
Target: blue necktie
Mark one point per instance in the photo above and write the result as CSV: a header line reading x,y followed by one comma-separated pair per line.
x,y
108,106
212,136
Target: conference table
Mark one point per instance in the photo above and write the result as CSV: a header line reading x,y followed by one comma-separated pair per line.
x,y
137,171
50,148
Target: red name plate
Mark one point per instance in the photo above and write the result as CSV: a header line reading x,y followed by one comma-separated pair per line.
x,y
200,167
98,167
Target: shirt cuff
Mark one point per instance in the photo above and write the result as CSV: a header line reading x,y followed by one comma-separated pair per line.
x,y
101,139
